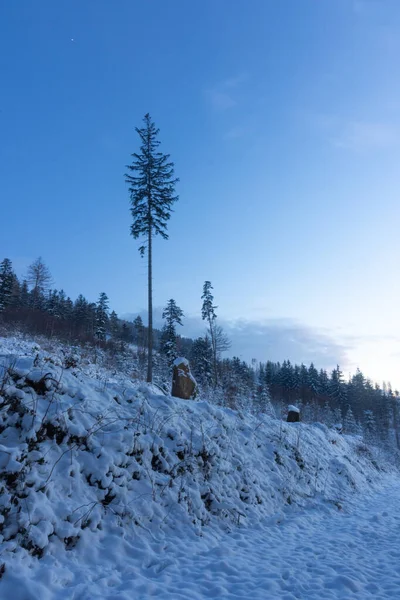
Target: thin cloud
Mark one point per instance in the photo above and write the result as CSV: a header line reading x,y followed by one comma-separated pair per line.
x,y
357,135
223,95
234,82
282,339
362,135
220,100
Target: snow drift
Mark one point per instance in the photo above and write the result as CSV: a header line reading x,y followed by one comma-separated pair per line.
x,y
87,455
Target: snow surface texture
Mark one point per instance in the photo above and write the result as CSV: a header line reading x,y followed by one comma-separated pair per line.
x,y
181,361
108,490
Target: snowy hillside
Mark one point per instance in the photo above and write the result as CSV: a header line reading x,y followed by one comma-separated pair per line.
x,y
104,482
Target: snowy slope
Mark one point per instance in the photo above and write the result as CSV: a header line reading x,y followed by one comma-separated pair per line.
x,y
109,490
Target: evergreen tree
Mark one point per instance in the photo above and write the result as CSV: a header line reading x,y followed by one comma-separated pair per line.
x,y
62,298
383,412
238,383
101,317
323,383
68,309
357,391
208,314
52,304
152,192
7,278
369,427
24,298
263,401
350,425
91,319
15,299
201,360
271,370
313,381
173,316
80,315
328,416
337,389
304,382
139,332
114,325
297,382
337,417
126,333
286,379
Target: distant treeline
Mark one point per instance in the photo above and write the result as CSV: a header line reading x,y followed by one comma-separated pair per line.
x,y
356,406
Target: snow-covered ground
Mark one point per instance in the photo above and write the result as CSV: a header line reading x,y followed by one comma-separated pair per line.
x,y
109,490
309,555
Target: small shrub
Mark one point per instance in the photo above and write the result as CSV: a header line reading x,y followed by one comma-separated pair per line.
x,y
71,361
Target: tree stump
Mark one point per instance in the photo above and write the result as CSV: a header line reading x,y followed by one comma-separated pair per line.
x,y
183,383
293,414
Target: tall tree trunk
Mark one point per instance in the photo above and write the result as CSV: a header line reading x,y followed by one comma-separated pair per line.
x,y
150,311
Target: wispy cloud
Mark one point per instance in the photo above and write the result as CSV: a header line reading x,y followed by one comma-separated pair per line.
x,y
362,135
358,135
234,82
223,95
220,100
285,338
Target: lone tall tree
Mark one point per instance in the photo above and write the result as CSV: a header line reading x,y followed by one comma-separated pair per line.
x,y
152,192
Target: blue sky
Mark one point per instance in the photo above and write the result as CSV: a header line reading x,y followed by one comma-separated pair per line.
x,y
283,119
